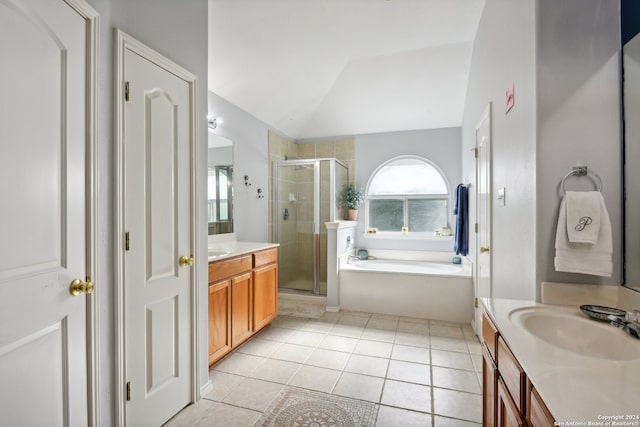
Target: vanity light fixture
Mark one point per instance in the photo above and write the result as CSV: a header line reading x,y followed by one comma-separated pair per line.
x,y
214,122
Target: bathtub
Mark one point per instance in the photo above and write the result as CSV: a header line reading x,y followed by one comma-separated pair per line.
x,y
427,289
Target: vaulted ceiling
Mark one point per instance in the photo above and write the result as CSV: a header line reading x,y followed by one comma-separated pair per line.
x,y
317,68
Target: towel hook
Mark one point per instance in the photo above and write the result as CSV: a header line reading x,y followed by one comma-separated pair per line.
x,y
580,170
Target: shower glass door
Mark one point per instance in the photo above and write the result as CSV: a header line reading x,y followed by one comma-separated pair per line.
x,y
296,221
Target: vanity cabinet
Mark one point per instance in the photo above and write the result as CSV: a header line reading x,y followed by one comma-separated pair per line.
x,y
265,288
219,319
508,397
241,320
539,415
243,298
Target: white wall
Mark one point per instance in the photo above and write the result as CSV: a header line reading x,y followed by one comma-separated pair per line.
x,y
250,157
441,146
177,30
504,53
578,118
563,60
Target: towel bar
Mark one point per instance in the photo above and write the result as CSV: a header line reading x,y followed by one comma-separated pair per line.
x,y
581,171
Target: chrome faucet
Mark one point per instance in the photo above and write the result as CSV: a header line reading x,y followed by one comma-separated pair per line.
x,y
630,323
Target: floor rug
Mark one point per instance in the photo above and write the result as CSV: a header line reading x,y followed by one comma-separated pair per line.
x,y
295,407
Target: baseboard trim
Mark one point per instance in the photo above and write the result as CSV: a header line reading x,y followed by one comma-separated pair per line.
x,y
332,309
206,388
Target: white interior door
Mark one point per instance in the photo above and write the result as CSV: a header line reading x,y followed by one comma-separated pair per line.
x,y
43,141
157,219
483,211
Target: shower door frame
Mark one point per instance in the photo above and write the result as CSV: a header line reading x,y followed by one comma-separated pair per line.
x,y
316,206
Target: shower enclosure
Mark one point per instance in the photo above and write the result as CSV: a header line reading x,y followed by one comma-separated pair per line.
x,y
307,194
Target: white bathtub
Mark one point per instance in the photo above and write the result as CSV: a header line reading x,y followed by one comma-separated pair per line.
x,y
415,288
436,268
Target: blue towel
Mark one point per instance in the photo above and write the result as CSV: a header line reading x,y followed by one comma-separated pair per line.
x,y
461,209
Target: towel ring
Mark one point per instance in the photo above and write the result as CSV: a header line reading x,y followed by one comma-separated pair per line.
x,y
581,171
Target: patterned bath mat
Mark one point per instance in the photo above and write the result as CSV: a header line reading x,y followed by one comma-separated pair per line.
x,y
296,407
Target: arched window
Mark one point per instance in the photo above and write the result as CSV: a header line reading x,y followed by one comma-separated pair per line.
x,y
409,192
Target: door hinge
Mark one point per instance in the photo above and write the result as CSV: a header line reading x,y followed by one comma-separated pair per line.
x,y
126,91
475,151
476,228
128,390
475,302
126,241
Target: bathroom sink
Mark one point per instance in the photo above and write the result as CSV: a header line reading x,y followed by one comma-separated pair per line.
x,y
217,253
571,331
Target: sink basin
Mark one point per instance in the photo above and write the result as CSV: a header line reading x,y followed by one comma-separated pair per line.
x,y
571,331
217,253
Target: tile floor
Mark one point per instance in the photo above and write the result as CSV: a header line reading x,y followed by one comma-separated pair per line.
x,y
420,372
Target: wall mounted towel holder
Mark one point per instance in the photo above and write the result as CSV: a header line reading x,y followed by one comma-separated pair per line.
x,y
580,170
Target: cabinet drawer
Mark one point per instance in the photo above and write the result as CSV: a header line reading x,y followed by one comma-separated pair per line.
x,y
489,335
220,270
511,373
265,257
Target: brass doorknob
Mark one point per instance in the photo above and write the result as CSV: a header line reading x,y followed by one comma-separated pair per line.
x,y
484,249
185,261
78,287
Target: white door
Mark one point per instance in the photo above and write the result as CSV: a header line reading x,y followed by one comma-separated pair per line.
x,y
44,117
157,217
483,211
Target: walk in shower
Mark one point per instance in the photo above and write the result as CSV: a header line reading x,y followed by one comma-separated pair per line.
x,y
307,194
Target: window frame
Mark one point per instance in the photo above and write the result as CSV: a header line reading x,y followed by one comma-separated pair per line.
x,y
404,197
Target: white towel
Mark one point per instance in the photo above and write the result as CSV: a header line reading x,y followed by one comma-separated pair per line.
x,y
585,258
583,216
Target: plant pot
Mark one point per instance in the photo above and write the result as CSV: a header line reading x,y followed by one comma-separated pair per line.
x,y
352,215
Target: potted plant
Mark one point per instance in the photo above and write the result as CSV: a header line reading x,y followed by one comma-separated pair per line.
x,y
352,200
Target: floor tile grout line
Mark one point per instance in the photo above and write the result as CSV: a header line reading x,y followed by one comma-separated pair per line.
x,y
389,358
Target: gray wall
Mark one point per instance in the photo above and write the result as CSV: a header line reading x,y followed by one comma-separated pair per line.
x,y
578,117
441,146
504,53
250,157
177,30
220,156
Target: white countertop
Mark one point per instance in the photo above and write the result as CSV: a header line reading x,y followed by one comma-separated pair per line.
x,y
575,387
238,248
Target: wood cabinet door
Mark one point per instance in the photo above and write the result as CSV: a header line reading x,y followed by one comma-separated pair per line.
x,y
489,386
219,320
508,414
265,295
539,415
241,319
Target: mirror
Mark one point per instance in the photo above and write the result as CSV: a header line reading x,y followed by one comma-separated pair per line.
x,y
220,185
630,22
